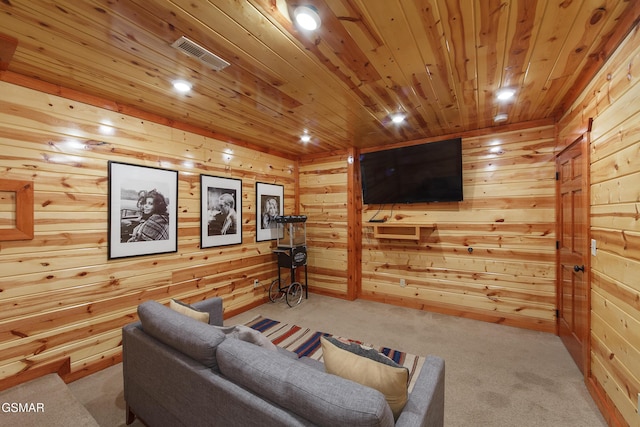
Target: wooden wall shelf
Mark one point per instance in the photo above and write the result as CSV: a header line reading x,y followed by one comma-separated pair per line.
x,y
388,230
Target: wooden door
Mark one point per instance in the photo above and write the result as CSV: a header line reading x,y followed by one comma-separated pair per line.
x,y
573,283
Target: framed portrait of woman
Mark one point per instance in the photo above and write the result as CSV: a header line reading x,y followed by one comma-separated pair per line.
x,y
269,205
220,211
143,210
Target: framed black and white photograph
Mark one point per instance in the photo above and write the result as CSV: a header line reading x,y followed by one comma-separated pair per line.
x,y
220,211
143,210
269,205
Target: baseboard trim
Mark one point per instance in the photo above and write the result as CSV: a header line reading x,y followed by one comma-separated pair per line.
x,y
61,366
254,304
465,312
93,367
611,415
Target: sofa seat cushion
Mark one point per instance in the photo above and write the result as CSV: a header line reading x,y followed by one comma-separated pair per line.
x,y
321,398
196,339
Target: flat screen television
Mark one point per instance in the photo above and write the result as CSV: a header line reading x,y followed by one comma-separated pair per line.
x,y
429,172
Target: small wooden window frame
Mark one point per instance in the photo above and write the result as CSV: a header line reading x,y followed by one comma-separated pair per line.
x,y
24,210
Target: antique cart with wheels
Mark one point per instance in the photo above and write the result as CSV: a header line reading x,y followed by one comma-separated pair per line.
x,y
292,253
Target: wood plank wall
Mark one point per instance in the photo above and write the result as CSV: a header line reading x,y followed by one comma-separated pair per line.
x,y
507,218
611,100
59,295
323,198
491,256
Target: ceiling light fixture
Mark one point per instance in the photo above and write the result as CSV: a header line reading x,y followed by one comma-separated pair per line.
x,y
305,137
398,118
502,117
182,86
307,17
505,94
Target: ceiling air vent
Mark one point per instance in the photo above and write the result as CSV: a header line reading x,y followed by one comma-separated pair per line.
x,y
201,54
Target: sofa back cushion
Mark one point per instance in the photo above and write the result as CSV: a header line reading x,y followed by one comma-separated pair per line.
x,y
196,339
321,398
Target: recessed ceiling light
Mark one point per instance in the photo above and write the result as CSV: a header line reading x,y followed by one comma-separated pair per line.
x,y
505,94
307,17
500,117
182,86
398,118
305,137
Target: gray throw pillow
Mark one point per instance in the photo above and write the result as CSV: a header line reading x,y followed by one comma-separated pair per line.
x,y
248,334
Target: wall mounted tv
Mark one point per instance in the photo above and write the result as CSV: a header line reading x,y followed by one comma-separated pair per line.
x,y
429,172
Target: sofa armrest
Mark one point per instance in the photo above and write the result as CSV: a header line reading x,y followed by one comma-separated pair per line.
x,y
214,307
425,406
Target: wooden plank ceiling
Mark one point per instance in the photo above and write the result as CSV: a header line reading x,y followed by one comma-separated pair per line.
x,y
439,61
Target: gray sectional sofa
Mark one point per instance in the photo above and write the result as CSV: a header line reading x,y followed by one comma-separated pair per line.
x,y
182,372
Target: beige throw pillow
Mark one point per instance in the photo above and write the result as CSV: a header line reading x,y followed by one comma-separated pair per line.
x,y
367,367
187,310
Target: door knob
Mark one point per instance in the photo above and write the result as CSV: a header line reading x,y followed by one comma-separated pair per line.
x,y
577,268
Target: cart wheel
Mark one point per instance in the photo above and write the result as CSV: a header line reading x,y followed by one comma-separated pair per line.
x,y
294,294
275,292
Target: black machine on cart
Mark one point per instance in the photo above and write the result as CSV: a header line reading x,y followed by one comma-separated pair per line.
x,y
292,253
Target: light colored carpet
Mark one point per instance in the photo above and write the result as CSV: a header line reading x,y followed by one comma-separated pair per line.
x,y
44,401
103,396
496,375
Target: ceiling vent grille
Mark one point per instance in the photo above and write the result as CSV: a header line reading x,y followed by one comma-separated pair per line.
x,y
201,54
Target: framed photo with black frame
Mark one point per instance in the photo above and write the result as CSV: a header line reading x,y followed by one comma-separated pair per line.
x,y
143,210
220,211
269,205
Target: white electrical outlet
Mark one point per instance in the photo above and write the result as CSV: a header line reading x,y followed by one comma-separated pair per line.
x,y
594,248
256,283
403,283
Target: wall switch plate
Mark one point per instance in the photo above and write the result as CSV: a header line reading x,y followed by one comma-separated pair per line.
x,y
403,283
593,247
256,283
